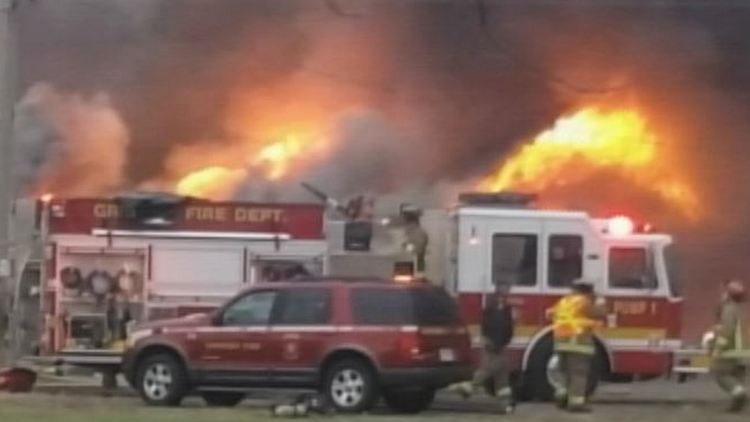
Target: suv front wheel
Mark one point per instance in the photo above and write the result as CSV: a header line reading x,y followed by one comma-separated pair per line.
x,y
161,380
350,386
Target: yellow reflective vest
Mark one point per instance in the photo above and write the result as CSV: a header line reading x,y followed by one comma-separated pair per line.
x,y
574,318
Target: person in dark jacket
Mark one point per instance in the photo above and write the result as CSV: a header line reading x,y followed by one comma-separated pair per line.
x,y
497,332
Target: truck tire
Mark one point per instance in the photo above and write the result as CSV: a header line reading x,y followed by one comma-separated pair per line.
x,y
222,398
537,382
350,386
409,401
161,380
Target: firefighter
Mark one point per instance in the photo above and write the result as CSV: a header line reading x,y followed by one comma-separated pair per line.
x,y
730,345
416,237
574,318
497,332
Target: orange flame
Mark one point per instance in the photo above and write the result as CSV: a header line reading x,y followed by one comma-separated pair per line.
x,y
588,140
208,182
272,162
278,156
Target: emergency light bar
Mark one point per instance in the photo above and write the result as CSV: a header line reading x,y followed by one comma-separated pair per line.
x,y
191,235
621,225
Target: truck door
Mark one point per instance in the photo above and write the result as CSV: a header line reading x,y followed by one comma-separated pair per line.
x,y
514,259
570,252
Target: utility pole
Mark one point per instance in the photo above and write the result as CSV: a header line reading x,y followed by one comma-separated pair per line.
x,y
8,71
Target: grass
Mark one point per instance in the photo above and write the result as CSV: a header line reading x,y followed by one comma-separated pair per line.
x,y
651,406
61,408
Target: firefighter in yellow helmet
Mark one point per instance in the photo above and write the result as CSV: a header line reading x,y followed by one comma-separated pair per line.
x,y
574,318
730,349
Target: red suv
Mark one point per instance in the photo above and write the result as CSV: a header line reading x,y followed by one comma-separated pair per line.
x,y
353,340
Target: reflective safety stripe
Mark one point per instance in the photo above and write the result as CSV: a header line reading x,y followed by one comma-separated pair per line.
x,y
569,319
505,392
734,354
577,400
574,348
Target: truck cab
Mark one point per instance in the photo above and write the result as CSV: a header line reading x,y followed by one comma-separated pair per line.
x,y
539,253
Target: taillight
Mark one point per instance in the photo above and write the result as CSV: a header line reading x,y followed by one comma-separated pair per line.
x,y
410,345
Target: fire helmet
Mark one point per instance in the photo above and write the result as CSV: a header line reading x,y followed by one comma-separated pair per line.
x,y
583,285
735,289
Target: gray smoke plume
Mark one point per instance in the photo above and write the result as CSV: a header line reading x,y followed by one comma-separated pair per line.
x,y
73,144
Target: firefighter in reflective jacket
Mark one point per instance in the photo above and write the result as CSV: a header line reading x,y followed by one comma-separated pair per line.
x,y
730,345
574,318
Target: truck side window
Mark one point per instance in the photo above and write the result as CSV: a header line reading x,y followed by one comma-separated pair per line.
x,y
250,310
629,268
514,259
565,260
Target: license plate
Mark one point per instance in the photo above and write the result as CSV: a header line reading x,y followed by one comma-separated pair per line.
x,y
447,355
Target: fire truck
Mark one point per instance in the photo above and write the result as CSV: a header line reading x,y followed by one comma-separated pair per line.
x,y
112,263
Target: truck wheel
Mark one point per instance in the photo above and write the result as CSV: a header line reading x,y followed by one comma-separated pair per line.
x,y
222,398
350,386
161,380
540,377
409,401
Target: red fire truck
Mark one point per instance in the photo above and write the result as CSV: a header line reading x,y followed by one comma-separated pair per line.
x,y
115,262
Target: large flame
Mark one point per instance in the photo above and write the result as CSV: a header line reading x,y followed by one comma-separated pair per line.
x,y
271,162
589,140
277,157
210,182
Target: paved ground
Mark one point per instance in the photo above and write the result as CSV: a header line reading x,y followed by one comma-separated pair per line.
x,y
660,401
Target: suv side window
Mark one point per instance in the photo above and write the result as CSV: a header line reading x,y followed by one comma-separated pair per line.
x,y
629,268
250,310
428,306
514,259
305,307
565,259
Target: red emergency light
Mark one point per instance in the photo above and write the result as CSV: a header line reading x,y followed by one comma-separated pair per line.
x,y
620,225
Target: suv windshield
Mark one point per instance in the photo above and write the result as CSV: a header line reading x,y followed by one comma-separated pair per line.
x,y
418,306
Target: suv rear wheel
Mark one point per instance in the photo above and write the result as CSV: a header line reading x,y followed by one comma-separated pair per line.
x,y
409,401
350,386
161,380
222,398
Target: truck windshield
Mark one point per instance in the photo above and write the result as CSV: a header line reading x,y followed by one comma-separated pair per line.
x,y
670,262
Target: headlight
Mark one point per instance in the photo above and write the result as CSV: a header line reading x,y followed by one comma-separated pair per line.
x,y
137,335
